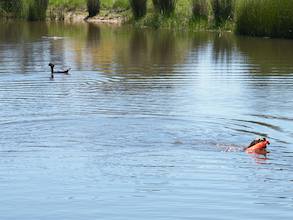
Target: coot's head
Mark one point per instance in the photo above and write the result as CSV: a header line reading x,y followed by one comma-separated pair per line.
x,y
51,65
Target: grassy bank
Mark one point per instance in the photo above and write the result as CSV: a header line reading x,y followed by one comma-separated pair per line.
x,y
82,4
272,18
186,14
25,9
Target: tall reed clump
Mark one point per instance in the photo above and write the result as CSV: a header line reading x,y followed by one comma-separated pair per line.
x,y
37,10
27,9
223,10
265,18
200,9
12,8
139,7
165,7
93,7
156,5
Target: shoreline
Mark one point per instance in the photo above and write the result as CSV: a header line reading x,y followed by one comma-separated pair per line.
x,y
124,17
81,16
246,17
237,19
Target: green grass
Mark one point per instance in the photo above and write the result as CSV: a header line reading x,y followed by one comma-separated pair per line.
x,y
181,18
81,4
165,7
191,15
93,7
27,9
139,8
201,9
68,3
117,4
222,10
272,18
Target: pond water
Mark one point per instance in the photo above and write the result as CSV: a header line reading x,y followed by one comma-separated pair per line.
x,y
149,124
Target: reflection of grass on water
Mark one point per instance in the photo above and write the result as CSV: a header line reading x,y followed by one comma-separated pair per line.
x,y
146,49
269,56
22,31
137,48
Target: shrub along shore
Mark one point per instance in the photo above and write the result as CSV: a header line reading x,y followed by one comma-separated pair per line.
x,y
270,18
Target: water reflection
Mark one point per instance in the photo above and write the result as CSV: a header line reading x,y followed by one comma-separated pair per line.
x,y
143,51
144,48
93,36
223,48
268,56
22,39
22,32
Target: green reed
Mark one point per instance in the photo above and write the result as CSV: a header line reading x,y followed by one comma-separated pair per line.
x,y
28,9
93,7
11,8
166,7
222,10
200,9
36,10
139,7
273,18
156,5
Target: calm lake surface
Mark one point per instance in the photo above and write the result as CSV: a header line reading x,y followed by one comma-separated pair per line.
x,y
148,125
